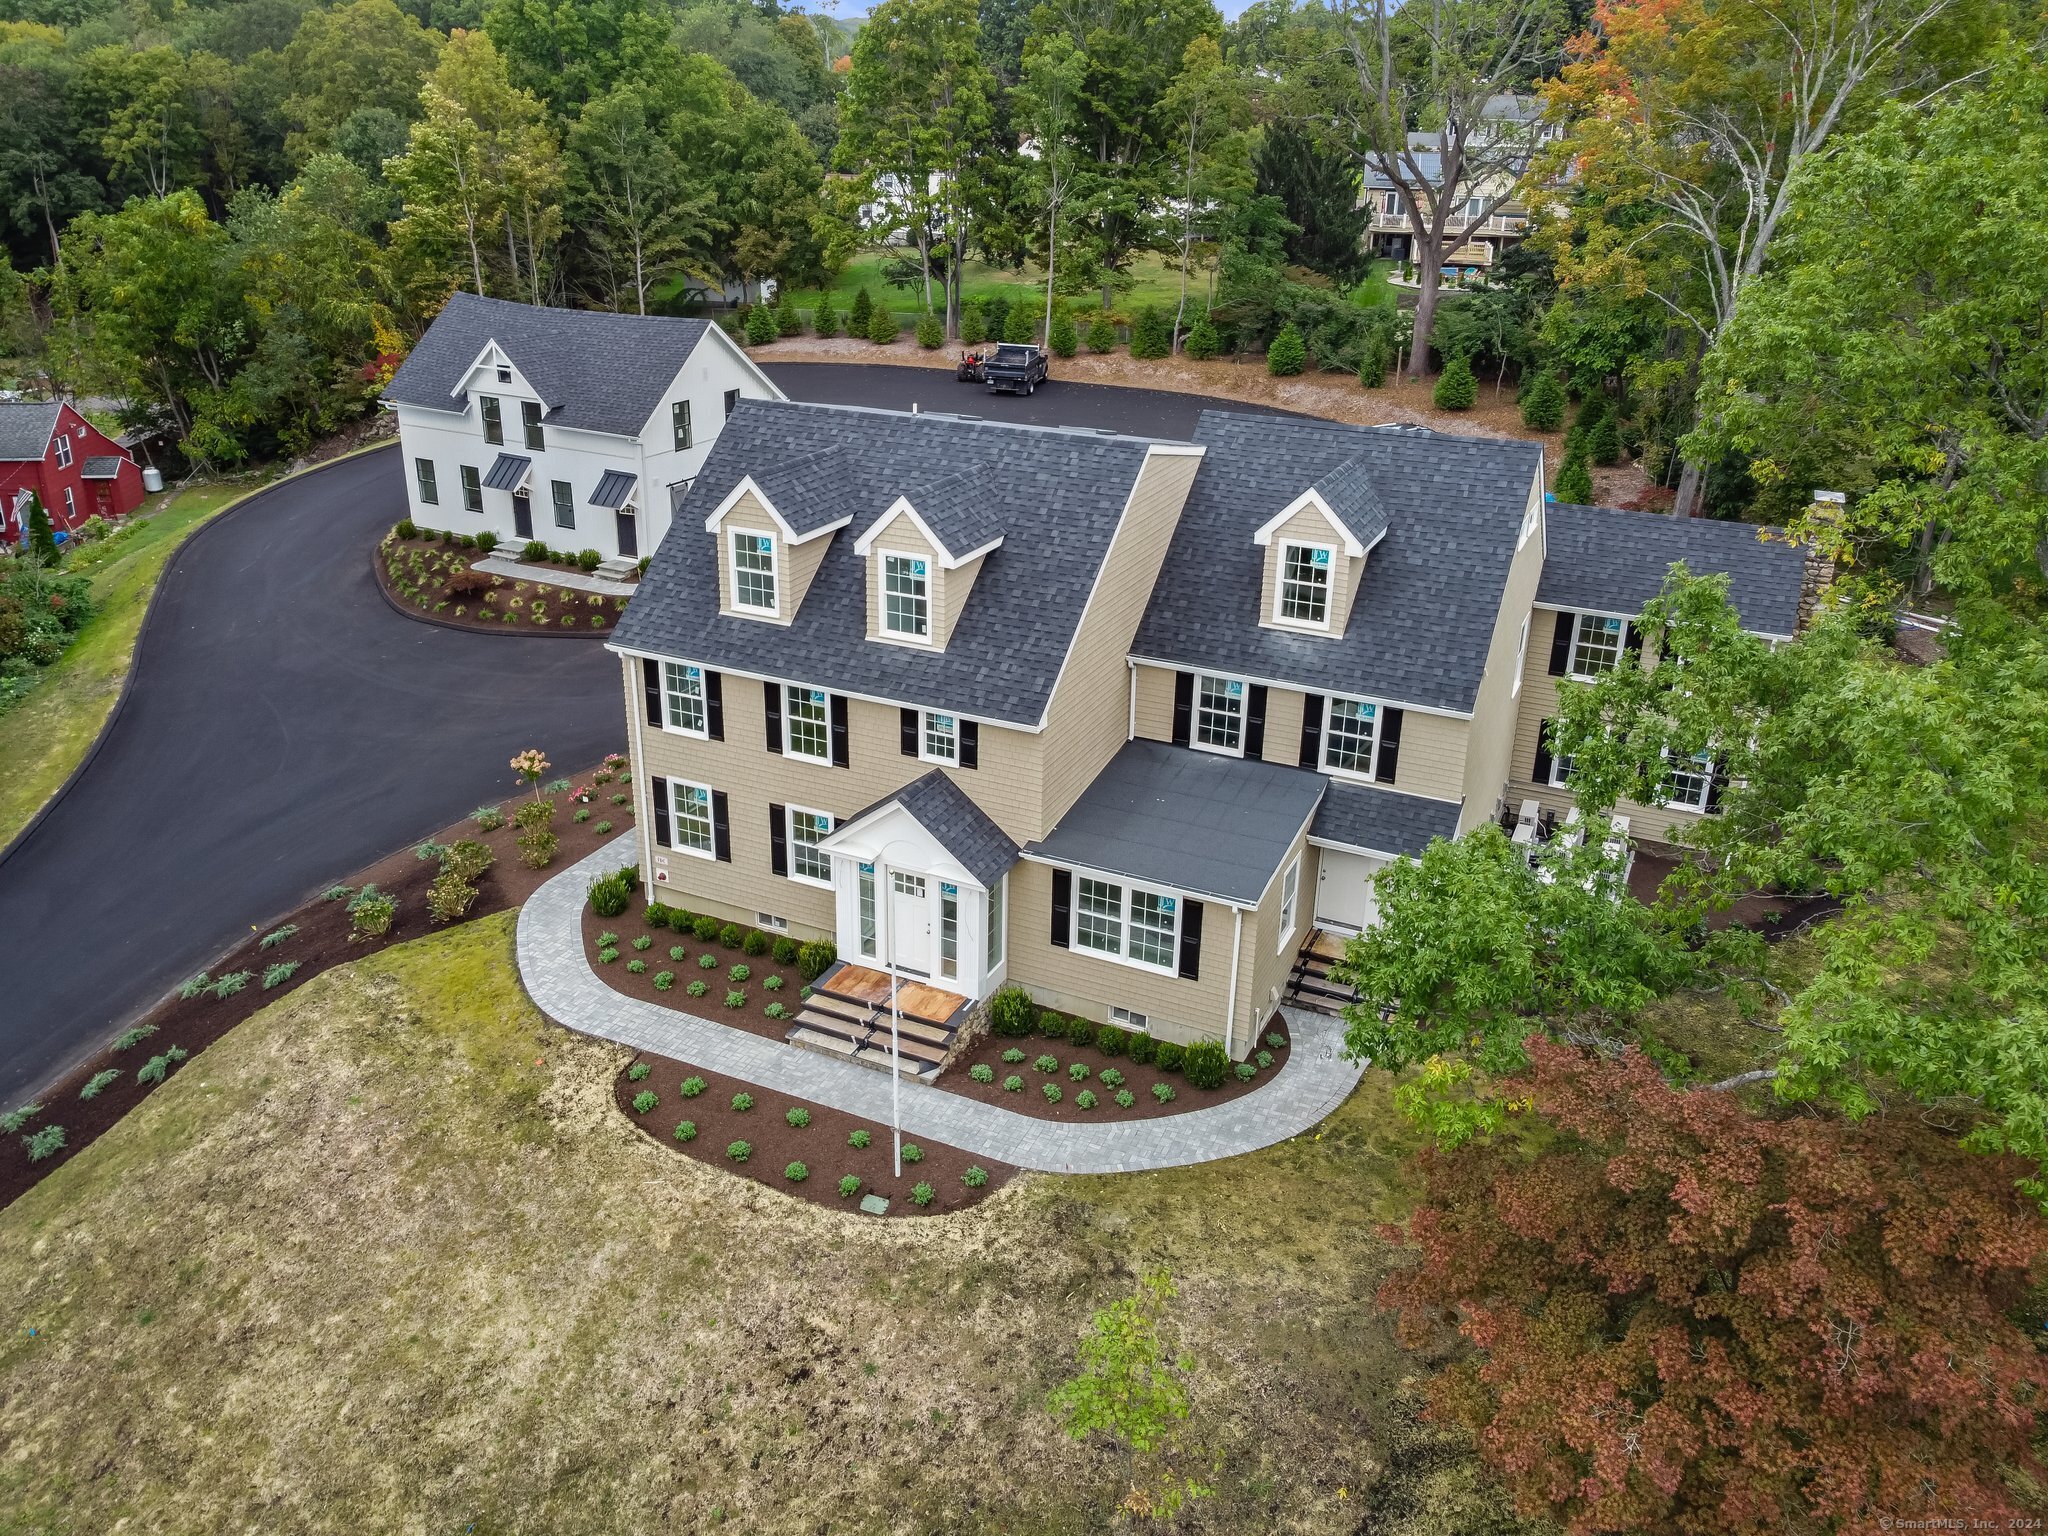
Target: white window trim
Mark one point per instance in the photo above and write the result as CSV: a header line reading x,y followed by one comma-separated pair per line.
x,y
1351,775
1704,772
789,841
869,945
1620,649
1290,902
789,734
924,755
70,505
900,636
1560,769
1521,656
995,917
1280,588
675,820
703,702
944,971
63,451
732,552
1125,885
1130,1018
1244,699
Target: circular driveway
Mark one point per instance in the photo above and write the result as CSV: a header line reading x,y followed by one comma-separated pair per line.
x,y
284,726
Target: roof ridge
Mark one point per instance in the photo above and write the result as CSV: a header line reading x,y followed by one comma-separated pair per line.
x,y
1096,434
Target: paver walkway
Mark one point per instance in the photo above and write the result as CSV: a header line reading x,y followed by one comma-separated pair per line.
x,y
518,570
1315,1080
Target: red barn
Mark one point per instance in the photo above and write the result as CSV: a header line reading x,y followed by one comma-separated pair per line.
x,y
80,472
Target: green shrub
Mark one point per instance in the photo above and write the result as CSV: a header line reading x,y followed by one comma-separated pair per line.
x,y
1202,342
705,928
537,848
922,1195
1456,389
1275,1039
277,936
607,940
47,1142
466,859
1574,483
738,1151
343,892
1169,1057
1143,1049
663,980
825,319
1205,1064
973,326
645,1100
406,528
730,936
638,1071
611,894
974,1178
637,967
1125,1098
736,997
643,943
657,914
742,1102
1080,1033
1603,438
859,1139
1110,1040
192,986
1012,1056
1288,354
882,326
99,1083
692,1086
1264,1059
1151,336
931,332
849,1186
1064,340
739,972
696,989
1047,1063
707,962
776,1011
797,1116
787,321
755,943
1543,403
859,313
606,955
1163,1092
1009,1011
1078,1071
449,897
785,950
796,1173
772,982
1101,334
676,952
541,813
135,1036
761,327
1020,325
534,550
488,818
227,986
1246,1071
816,958
1052,1025
686,1130
19,1116
1013,1084
1109,1077
153,1070
277,975
912,1152
1052,1093
1085,1099
982,1072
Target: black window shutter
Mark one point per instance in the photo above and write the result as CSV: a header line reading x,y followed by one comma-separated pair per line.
x,y
1183,708
1540,772
1062,906
1190,940
714,705
970,743
1716,782
650,672
778,841
842,756
1255,723
658,793
1312,730
1561,644
909,733
1390,746
1633,640
771,695
721,828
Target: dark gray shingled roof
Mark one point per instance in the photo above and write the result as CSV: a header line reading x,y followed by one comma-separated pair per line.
x,y
25,428
594,370
961,827
1382,820
613,487
1193,821
1424,617
1608,559
1349,491
810,490
956,509
1058,502
102,466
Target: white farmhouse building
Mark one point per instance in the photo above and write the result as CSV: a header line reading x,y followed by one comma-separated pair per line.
x,y
576,427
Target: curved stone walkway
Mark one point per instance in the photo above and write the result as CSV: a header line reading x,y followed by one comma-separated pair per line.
x,y
1315,1080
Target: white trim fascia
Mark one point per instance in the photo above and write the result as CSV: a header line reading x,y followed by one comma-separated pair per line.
x,y
1123,519
789,534
1295,686
1630,618
949,561
1372,853
492,348
1312,498
1128,880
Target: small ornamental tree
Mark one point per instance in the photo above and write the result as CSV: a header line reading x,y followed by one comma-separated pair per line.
x,y
1065,341
973,326
789,321
1690,1318
761,327
1288,354
931,332
859,313
882,328
1202,343
530,765
1543,403
825,319
42,539
1574,484
1456,389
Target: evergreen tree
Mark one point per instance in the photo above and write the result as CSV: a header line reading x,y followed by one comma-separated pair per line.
x,y
973,326
761,326
995,314
1202,342
931,332
1543,403
1574,484
882,327
1603,438
1150,335
1288,354
1020,325
861,312
788,321
42,541
1456,389
1318,191
1065,340
825,319
1101,334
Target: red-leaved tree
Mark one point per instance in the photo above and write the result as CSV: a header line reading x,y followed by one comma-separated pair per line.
x,y
1689,1318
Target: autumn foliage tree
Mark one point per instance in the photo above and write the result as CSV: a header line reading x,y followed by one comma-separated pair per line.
x,y
1689,1318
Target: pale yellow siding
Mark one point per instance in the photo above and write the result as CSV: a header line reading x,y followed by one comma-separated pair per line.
x,y
1309,526
958,583
795,564
1491,739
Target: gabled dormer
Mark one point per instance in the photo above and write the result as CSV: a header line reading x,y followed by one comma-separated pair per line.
x,y
510,410
767,555
1316,547
921,557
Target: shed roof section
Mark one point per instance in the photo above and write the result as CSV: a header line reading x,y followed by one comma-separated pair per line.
x,y
1606,559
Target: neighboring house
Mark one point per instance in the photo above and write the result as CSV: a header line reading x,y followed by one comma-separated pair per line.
x,y
1118,719
79,471
1392,231
579,428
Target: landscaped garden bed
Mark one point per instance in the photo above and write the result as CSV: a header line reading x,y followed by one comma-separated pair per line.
x,y
817,1154
489,861
420,569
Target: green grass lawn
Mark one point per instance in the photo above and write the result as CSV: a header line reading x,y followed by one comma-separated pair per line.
x,y
47,735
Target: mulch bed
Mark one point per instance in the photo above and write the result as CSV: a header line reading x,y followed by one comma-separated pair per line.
x,y
433,578
1138,1079
631,926
322,940
821,1146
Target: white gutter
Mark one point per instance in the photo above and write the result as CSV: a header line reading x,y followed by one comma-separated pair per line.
x,y
1131,723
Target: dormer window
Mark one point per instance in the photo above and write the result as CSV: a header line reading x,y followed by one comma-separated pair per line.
x,y
494,419
1304,595
906,600
753,572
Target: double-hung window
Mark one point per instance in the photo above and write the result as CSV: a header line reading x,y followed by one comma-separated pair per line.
x,y
494,419
472,489
63,451
1290,897
1126,923
1596,648
565,504
1304,596
806,723
1688,781
753,572
1219,714
683,691
939,741
679,414
906,600
430,494
529,413
807,829
1350,729
690,818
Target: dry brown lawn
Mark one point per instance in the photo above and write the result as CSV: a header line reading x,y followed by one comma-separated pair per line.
x,y
386,1259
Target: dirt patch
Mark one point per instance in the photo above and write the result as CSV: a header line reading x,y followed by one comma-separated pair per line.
x,y
434,579
822,1143
321,937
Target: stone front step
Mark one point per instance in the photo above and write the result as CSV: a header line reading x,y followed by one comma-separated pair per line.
x,y
865,1056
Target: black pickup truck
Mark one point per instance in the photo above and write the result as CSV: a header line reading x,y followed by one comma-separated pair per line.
x,y
1018,369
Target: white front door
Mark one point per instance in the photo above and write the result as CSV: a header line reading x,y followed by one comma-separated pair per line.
x,y
1344,894
910,921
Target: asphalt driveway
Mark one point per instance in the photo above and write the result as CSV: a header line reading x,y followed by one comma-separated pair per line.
x,y
285,726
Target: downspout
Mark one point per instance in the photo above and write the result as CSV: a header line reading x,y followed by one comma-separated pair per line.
x,y
1131,723
1230,1003
637,742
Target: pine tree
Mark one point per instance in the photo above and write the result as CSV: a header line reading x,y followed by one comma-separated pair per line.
x,y
42,540
1101,334
788,321
1543,403
1020,325
1603,437
1288,354
825,319
761,327
931,332
1456,389
882,328
861,312
973,326
1574,484
1151,336
1065,340
1203,343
